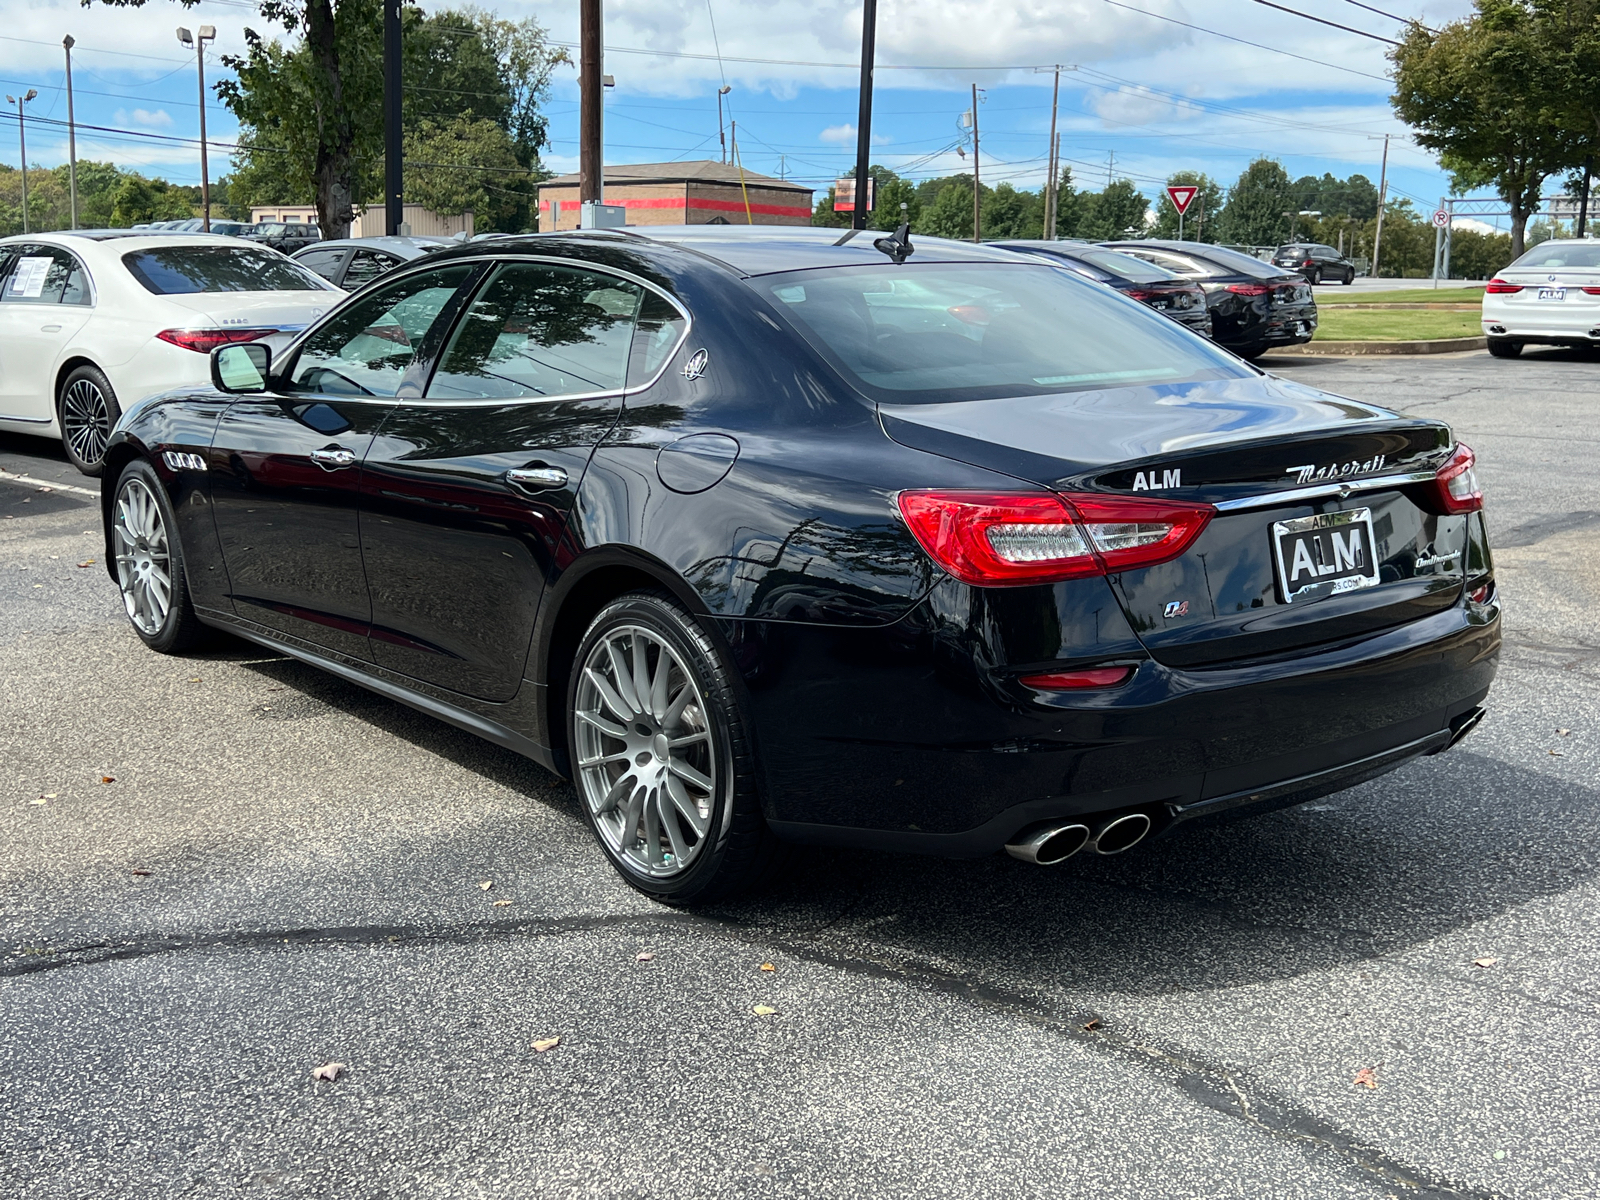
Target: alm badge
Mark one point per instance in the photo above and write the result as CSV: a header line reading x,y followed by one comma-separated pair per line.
x,y
1146,481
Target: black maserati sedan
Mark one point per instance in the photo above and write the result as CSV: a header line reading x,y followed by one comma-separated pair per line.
x,y
1255,305
773,535
1157,287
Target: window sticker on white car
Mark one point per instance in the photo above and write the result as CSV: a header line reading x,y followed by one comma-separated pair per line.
x,y
28,279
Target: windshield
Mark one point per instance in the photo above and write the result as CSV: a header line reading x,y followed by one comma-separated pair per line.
x,y
975,331
1567,252
185,270
1243,264
1125,265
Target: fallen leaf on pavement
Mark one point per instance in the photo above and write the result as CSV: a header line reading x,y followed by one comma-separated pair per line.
x,y
1564,732
486,885
142,871
88,562
501,903
328,1072
1484,962
1558,754
40,800
196,679
768,967
544,1044
764,1010
1091,1025
108,779
1367,1078
645,956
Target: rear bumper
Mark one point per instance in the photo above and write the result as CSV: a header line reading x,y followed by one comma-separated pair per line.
x,y
1177,744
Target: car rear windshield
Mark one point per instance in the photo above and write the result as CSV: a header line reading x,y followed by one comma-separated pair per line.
x,y
184,270
975,331
1233,262
1565,252
1125,265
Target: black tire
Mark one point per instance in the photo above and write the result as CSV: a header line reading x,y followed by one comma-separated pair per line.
x,y
736,851
1250,353
1314,276
1350,277
87,411
178,629
1504,347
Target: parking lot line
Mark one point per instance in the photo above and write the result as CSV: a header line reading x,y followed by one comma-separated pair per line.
x,y
12,477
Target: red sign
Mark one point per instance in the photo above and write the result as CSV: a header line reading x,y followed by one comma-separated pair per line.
x,y
844,194
1181,197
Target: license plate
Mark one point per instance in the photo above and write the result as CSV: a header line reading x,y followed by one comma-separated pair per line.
x,y
1325,555
1552,293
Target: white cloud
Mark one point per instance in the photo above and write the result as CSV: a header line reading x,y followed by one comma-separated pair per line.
x,y
157,119
1137,105
845,135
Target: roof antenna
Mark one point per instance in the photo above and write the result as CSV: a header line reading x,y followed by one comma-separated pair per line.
x,y
898,244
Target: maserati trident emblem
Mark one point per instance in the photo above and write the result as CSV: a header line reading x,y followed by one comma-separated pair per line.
x,y
696,366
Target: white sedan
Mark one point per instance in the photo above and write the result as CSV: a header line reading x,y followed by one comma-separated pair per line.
x,y
1550,295
92,322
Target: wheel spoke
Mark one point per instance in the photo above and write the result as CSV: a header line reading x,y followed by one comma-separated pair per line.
x,y
624,683
609,728
631,812
641,672
688,739
619,756
608,695
669,822
652,827
685,772
612,798
685,804
674,713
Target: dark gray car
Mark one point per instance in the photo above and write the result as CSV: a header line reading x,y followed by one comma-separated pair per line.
x,y
1316,262
352,263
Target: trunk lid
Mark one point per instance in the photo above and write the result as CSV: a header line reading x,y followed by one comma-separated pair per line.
x,y
288,312
1265,452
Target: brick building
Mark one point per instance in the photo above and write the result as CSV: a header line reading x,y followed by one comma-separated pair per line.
x,y
682,193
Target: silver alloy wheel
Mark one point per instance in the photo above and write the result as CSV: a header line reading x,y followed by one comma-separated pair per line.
x,y
143,558
646,753
86,419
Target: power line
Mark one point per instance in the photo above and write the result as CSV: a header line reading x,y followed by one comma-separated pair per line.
x,y
1295,12
1381,13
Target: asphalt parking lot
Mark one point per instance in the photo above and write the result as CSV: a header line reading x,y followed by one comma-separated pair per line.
x,y
220,872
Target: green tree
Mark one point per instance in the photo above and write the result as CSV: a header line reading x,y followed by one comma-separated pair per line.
x,y
1253,215
452,166
138,199
1117,212
1070,205
1197,222
1478,92
889,192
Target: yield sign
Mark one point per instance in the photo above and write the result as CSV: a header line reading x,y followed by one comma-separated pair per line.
x,y
1182,197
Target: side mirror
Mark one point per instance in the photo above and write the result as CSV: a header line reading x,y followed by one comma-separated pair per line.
x,y
241,367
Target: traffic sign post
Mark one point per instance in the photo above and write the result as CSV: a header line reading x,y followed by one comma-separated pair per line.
x,y
1181,197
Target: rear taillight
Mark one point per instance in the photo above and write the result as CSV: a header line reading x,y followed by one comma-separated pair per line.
x,y
1594,291
1249,289
1139,294
1455,489
1310,262
204,341
1499,287
993,539
1071,681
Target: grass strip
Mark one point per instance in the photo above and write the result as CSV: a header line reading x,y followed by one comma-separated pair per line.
x,y
1403,325
1332,296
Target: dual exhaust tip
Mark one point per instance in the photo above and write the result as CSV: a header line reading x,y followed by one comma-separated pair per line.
x,y
1048,844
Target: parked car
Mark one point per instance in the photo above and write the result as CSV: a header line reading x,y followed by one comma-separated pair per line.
x,y
352,263
764,534
287,236
1549,296
1317,263
91,322
1170,294
1255,306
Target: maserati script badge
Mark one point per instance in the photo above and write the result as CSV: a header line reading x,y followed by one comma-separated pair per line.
x,y
696,366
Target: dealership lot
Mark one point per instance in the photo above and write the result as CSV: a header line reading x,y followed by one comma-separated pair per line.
x,y
288,871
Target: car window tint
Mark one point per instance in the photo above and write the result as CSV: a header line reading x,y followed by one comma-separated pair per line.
x,y
973,331
44,275
366,347
323,262
1231,262
1125,265
365,266
1176,263
1565,252
541,331
659,328
186,270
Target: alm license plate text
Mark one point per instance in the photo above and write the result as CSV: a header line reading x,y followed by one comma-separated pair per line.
x,y
1552,293
1325,555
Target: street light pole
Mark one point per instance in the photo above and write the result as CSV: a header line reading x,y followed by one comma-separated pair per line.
x,y
72,134
22,137
869,43
722,137
207,33
394,211
591,147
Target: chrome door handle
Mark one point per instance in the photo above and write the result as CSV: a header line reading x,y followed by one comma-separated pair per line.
x,y
49,329
334,458
536,479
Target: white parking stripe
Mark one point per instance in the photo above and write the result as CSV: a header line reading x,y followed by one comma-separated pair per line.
x,y
11,477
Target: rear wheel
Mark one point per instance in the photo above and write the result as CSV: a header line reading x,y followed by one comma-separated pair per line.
x,y
661,754
87,409
149,561
1504,347
1314,276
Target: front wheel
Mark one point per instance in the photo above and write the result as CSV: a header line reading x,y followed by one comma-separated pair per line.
x,y
149,561
88,411
662,756
1350,277
1504,347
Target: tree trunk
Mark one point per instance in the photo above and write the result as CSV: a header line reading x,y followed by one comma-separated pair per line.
x,y
1519,225
333,171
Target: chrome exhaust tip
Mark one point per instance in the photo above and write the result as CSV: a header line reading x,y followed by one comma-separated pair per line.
x,y
1123,833
1047,845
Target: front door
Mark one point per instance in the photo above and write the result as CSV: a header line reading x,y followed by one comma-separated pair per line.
x,y
467,489
286,466
44,301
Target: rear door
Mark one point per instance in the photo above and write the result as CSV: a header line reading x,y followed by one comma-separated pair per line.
x,y
45,298
467,489
286,466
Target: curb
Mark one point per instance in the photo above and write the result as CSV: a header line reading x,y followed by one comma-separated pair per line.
x,y
1436,346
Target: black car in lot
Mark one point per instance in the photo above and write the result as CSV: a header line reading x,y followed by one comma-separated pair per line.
x,y
1170,294
1255,306
763,535
1315,262
286,236
352,263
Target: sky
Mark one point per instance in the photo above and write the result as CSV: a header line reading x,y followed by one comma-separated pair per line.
x,y
1149,87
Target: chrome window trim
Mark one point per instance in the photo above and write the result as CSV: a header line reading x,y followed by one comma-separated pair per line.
x,y
1344,488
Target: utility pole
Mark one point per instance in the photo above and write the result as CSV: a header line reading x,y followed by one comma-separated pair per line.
x,y
721,137
1055,186
22,136
1383,194
869,46
206,33
1055,150
394,210
72,134
977,184
591,145
1111,165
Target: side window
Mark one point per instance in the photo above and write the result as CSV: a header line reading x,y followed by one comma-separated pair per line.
x,y
660,327
366,266
323,262
45,275
539,330
366,347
